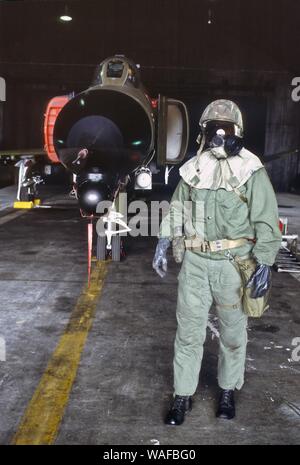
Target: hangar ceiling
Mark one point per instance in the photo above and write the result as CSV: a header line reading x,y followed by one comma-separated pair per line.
x,y
248,53
169,38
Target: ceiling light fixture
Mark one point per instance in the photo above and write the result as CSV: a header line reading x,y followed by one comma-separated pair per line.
x,y
209,17
65,17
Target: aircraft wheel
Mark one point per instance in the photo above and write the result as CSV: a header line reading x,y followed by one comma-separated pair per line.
x,y
25,195
116,248
101,247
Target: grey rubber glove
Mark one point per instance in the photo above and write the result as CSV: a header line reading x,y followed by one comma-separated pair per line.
x,y
260,281
160,262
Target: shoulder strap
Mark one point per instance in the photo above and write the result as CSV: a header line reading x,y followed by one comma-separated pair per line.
x,y
233,181
239,193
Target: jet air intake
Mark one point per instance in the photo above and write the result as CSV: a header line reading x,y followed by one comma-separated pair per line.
x,y
104,130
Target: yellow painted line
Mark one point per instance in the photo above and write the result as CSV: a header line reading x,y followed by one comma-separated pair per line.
x,y
45,411
11,216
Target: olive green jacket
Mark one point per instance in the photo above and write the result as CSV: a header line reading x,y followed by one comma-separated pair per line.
x,y
221,214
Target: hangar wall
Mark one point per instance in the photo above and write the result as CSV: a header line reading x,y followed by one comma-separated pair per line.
x,y
241,55
2,100
271,117
282,135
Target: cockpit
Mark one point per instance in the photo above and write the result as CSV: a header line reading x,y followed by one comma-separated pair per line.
x,y
117,71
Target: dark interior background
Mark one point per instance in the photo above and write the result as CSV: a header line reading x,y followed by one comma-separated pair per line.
x,y
248,53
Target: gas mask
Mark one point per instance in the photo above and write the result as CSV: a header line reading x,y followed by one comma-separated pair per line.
x,y
223,146
221,138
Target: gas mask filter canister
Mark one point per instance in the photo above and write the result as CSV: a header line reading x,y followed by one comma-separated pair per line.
x,y
223,146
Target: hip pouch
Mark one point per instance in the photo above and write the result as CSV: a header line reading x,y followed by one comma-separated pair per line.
x,y
178,248
252,307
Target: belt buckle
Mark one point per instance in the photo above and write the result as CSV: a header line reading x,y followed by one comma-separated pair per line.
x,y
204,246
219,245
216,246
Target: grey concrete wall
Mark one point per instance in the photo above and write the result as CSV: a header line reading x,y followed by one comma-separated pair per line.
x,y
282,134
1,122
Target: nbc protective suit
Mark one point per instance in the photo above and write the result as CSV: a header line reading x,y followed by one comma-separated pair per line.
x,y
231,210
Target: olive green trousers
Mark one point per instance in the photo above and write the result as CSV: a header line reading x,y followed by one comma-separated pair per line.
x,y
203,281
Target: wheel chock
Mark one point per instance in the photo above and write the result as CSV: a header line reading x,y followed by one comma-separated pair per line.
x,y
25,205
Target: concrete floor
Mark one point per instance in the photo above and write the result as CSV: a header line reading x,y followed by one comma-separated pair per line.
x,y
124,381
7,197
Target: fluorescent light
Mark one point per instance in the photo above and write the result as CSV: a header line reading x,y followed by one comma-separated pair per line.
x,y
65,18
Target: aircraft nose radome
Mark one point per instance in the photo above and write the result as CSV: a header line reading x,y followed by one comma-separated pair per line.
x,y
95,132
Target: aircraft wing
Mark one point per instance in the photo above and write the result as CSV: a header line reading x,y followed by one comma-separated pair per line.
x,y
22,153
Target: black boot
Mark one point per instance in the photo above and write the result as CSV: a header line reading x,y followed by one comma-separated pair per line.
x,y
226,407
180,406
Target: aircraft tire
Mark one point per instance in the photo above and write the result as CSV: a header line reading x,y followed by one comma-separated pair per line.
x,y
101,248
116,248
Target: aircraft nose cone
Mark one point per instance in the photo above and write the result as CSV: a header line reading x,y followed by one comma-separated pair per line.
x,y
90,193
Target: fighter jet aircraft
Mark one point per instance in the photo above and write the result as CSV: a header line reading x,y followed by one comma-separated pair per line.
x,y
114,129
112,133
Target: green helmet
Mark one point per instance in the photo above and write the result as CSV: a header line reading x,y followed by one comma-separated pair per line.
x,y
223,110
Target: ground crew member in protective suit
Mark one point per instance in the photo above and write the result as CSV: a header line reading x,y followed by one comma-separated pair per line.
x,y
231,212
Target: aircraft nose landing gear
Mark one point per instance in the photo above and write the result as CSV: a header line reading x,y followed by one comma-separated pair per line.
x,y
110,244
28,181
